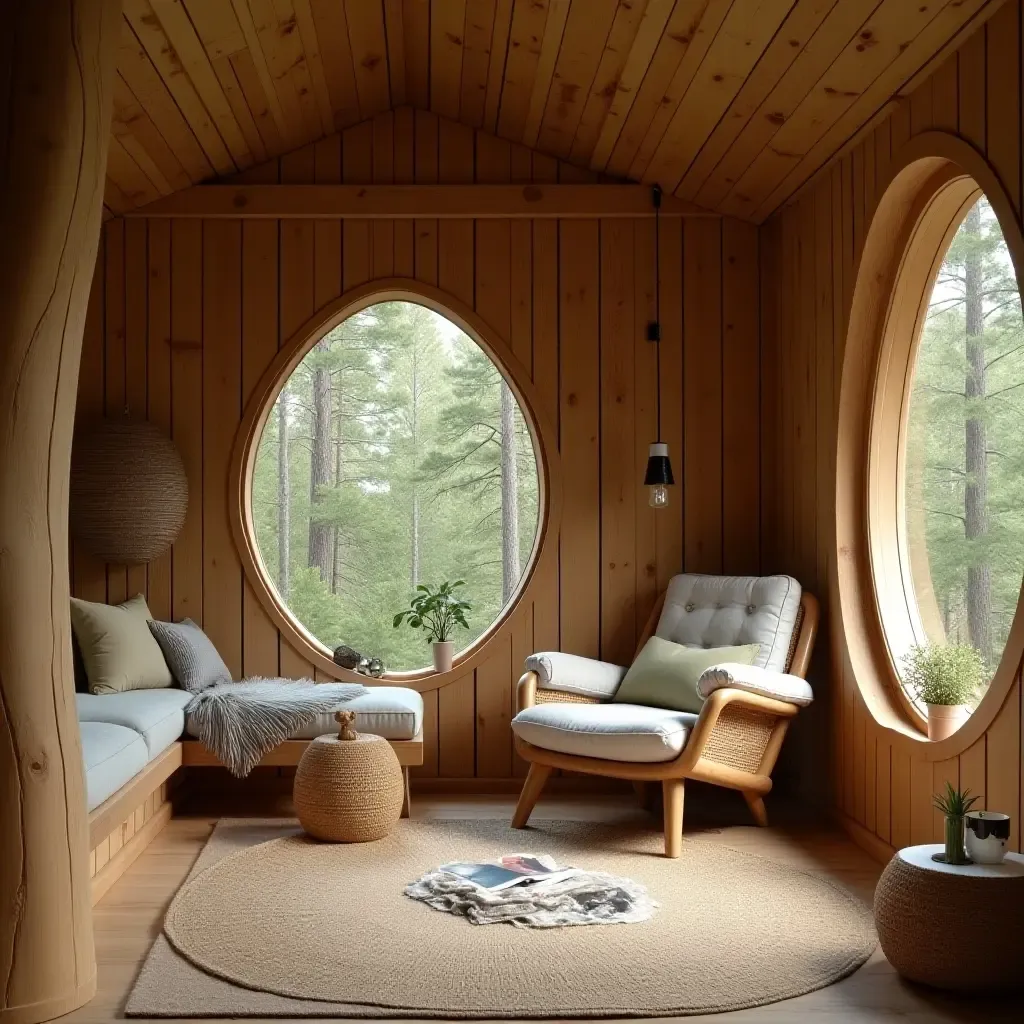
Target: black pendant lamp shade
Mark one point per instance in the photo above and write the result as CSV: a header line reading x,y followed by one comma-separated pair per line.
x,y
659,468
658,477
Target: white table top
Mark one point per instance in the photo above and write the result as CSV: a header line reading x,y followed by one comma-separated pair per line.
x,y
921,857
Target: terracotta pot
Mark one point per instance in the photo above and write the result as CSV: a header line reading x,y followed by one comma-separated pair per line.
x,y
442,655
945,719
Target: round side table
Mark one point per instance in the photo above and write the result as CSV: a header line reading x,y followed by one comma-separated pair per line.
x,y
958,927
348,788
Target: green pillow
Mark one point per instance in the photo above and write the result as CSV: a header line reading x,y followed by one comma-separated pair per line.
x,y
118,650
665,674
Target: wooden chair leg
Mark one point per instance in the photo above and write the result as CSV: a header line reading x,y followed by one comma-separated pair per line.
x,y
757,809
533,786
672,794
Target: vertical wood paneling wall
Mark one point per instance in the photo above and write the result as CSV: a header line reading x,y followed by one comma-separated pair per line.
x,y
809,257
186,315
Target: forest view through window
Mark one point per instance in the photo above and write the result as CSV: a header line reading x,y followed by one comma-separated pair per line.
x,y
395,455
964,467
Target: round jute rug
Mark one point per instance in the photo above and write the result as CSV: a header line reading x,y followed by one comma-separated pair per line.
x,y
315,921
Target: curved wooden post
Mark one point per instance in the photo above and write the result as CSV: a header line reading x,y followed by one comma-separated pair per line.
x,y
56,77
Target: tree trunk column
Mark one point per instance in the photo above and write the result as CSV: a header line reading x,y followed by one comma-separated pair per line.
x,y
56,73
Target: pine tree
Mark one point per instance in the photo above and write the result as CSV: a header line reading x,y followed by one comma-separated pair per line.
x,y
964,461
284,498
320,543
979,572
479,455
402,386
510,569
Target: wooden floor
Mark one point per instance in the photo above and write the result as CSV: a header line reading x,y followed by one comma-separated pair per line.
x,y
129,916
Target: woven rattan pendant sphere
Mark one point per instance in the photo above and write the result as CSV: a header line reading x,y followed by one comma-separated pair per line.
x,y
129,492
348,790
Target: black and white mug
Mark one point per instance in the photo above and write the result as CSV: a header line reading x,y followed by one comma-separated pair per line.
x,y
986,835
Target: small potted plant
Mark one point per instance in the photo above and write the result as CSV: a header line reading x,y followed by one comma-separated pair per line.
x,y
437,610
954,804
944,677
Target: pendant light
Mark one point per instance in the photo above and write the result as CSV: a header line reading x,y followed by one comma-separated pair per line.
x,y
658,477
128,492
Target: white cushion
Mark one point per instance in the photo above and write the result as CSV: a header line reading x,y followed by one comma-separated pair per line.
x,y
394,712
615,732
778,685
726,611
112,755
573,674
157,715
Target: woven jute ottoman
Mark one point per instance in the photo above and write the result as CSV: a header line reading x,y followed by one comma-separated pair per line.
x,y
348,788
958,927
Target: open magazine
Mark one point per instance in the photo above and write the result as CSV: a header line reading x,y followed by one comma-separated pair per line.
x,y
512,869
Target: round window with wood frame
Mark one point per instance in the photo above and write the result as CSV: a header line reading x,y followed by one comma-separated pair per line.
x,y
945,488
392,453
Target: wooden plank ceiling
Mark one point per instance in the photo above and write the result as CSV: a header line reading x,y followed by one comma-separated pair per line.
x,y
732,104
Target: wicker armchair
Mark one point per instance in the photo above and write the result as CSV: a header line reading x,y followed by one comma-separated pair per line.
x,y
733,742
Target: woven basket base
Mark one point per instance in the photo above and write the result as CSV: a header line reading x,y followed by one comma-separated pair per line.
x,y
348,791
964,935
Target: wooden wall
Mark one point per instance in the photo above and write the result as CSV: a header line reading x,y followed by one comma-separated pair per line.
x,y
186,315
810,253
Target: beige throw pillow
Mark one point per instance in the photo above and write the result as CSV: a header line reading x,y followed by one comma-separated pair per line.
x,y
665,674
118,650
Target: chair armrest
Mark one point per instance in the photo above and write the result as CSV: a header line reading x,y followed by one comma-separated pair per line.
x,y
573,674
777,685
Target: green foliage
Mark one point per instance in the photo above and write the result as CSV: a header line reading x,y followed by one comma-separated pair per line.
x,y
943,673
309,601
954,803
968,380
436,610
409,391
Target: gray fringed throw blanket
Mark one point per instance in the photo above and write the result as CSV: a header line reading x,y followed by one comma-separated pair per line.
x,y
240,722
590,897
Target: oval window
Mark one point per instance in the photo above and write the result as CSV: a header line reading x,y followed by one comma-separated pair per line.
x,y
963,485
396,456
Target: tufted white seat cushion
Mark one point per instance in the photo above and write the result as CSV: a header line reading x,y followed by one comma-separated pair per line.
x,y
726,611
615,732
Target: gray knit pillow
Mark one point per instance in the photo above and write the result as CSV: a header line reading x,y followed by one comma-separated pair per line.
x,y
191,657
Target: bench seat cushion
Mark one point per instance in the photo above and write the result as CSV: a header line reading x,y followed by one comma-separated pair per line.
x,y
157,715
394,712
613,732
112,755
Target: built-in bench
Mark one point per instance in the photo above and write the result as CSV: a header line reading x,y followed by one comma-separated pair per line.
x,y
134,742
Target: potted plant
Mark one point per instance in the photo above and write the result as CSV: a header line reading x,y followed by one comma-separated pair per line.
x,y
944,677
954,804
437,610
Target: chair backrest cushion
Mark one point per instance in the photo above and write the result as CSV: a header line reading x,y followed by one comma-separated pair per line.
x,y
725,611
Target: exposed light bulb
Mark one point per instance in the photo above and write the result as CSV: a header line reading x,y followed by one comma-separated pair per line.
x,y
658,496
658,477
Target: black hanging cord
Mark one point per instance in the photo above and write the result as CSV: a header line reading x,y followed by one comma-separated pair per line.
x,y
654,328
127,411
